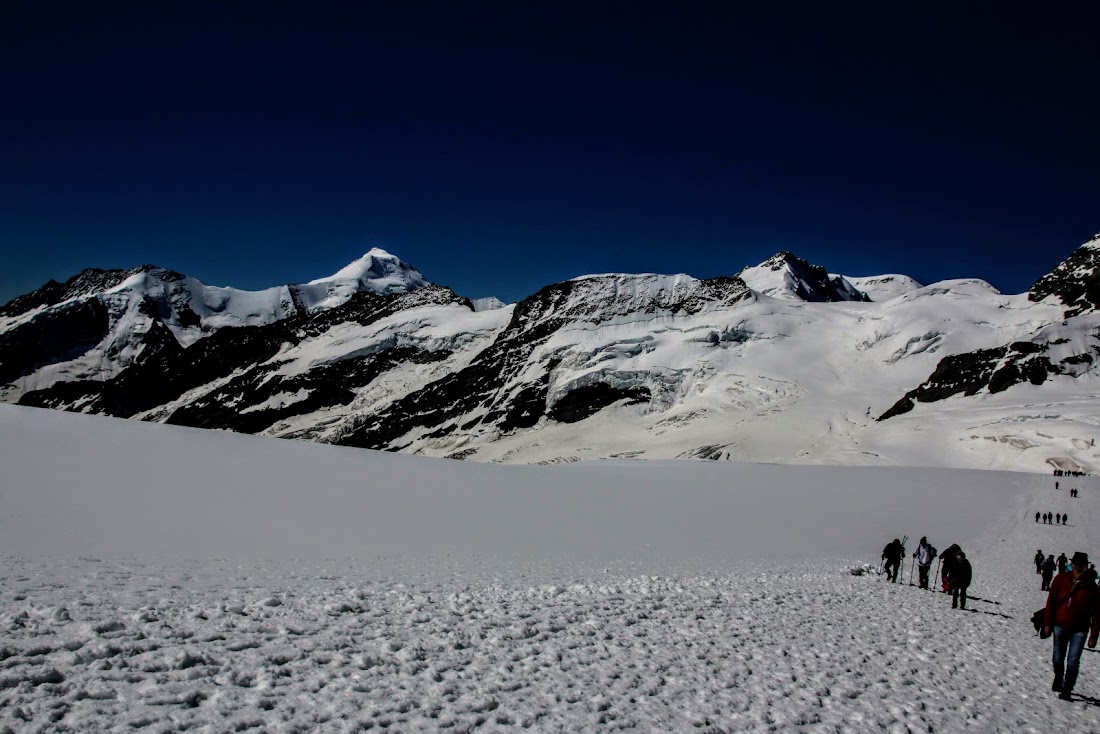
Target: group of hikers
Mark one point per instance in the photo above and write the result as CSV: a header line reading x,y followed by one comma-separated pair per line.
x,y
955,570
1047,565
1072,611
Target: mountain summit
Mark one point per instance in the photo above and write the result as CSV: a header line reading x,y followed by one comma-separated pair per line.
x,y
788,277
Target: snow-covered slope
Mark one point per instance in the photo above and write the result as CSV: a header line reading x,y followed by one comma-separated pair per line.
x,y
883,287
790,365
164,578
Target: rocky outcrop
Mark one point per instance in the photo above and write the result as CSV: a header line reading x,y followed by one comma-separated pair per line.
x,y
1075,282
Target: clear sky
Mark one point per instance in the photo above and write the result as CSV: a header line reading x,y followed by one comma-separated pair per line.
x,y
499,147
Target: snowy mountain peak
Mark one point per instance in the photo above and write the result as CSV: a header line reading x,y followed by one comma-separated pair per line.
x,y
790,278
378,271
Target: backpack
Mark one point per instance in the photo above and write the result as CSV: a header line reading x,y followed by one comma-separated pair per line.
x,y
1037,620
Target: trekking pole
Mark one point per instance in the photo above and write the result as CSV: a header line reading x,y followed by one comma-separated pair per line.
x,y
938,562
911,573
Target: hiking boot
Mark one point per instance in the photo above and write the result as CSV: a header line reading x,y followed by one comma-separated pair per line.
x,y
1057,685
1065,696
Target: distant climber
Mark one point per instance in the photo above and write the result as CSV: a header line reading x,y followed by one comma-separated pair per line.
x,y
1039,558
961,575
1036,517
1062,562
948,558
924,554
893,553
1048,572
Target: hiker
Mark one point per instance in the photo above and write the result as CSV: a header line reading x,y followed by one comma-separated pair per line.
x,y
948,558
1036,517
1065,518
961,573
924,554
1072,612
1039,558
1048,572
1044,518
1062,561
1056,485
1058,519
893,553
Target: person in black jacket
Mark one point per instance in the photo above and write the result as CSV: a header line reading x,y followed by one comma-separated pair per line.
x,y
1039,558
893,554
961,573
947,559
1048,572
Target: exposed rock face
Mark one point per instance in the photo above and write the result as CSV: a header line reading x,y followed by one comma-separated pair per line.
x,y
235,370
506,387
1075,282
85,283
64,333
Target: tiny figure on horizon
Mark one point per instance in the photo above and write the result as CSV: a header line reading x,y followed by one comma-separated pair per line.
x,y
1065,518
1058,519
1036,517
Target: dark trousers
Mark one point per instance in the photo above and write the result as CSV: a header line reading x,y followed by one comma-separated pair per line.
x,y
922,571
958,597
1046,582
892,575
1072,643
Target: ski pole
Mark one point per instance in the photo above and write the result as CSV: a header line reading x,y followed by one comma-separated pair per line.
x,y
911,573
938,562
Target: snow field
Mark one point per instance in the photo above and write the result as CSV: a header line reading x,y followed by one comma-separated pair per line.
x,y
218,646
161,579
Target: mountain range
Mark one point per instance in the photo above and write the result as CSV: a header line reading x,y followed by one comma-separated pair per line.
x,y
783,362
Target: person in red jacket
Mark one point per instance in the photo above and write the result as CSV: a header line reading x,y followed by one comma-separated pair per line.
x,y
1073,611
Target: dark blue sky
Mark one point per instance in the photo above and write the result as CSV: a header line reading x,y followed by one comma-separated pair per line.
x,y
502,147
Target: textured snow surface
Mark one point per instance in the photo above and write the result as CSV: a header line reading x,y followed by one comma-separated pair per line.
x,y
148,582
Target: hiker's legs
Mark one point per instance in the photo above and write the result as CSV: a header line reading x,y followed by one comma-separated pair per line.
x,y
1073,659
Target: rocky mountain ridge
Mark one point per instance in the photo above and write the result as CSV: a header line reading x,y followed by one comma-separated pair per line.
x,y
783,362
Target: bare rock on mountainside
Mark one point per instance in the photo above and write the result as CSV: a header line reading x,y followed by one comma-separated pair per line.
x,y
1075,282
